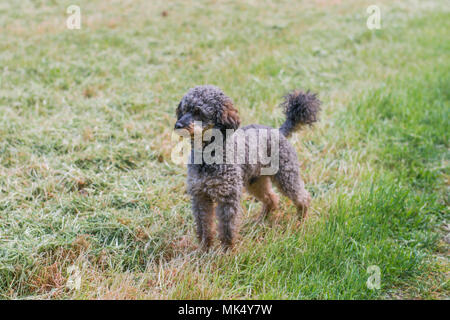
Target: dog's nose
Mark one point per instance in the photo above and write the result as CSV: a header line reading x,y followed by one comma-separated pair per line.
x,y
178,125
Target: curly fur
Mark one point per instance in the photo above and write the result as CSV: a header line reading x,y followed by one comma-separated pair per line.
x,y
218,187
300,109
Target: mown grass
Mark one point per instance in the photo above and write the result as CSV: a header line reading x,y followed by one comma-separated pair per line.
x,y
86,178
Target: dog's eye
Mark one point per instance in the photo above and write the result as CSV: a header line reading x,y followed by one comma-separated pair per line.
x,y
196,112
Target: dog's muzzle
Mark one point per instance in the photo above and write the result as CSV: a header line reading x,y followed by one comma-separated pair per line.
x,y
179,125
184,122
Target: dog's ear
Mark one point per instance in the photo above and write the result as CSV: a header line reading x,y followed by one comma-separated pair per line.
x,y
229,118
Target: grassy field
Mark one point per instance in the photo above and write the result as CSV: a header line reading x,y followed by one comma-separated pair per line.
x,y
88,190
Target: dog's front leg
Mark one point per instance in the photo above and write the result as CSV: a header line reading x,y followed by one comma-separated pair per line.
x,y
227,214
203,211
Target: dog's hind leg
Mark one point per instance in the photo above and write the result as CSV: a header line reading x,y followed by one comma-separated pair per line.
x,y
288,181
261,189
203,211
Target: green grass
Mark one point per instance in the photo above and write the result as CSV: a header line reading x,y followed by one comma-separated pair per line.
x,y
86,118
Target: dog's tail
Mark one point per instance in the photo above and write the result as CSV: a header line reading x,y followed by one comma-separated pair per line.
x,y
300,109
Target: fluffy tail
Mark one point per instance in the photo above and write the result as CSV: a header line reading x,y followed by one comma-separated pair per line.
x,y
300,109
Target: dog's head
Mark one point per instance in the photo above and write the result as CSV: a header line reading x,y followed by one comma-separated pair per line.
x,y
206,105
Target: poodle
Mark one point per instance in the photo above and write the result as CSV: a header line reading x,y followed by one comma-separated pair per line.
x,y
217,187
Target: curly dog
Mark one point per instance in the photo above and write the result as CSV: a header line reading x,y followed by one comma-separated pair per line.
x,y
217,187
